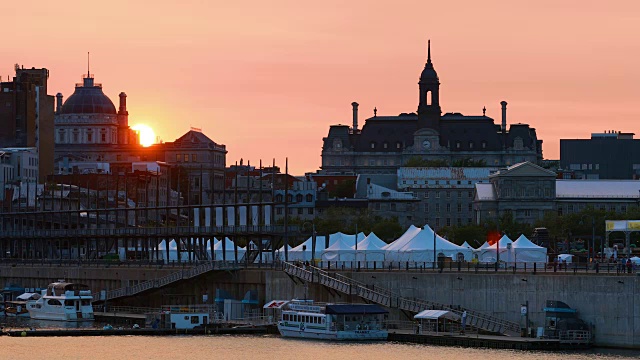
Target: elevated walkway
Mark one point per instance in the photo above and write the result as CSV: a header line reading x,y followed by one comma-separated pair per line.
x,y
392,300
172,278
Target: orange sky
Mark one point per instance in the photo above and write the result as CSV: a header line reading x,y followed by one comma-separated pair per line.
x,y
267,78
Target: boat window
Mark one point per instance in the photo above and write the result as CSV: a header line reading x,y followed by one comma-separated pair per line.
x,y
86,302
323,320
195,320
53,302
68,303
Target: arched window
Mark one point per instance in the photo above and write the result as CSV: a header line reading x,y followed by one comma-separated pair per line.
x,y
398,145
428,99
484,144
279,198
309,198
299,198
458,144
289,198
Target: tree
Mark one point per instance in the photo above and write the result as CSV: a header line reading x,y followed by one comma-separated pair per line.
x,y
417,161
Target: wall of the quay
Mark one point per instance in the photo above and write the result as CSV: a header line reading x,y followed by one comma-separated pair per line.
x,y
613,308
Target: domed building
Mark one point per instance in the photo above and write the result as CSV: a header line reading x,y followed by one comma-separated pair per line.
x,y
88,127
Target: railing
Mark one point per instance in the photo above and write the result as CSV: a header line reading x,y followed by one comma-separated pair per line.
x,y
125,309
149,231
575,336
387,298
165,280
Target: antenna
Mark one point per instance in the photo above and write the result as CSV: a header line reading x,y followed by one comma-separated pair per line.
x,y
88,72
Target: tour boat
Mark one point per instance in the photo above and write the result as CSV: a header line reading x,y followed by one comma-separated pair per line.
x,y
305,319
64,302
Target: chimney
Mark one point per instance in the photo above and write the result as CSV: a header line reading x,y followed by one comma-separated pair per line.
x,y
504,116
123,103
355,115
58,103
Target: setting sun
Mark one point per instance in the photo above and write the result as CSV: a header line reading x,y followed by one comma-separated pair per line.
x,y
147,136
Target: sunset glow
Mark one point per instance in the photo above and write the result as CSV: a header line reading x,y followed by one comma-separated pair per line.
x,y
147,135
276,76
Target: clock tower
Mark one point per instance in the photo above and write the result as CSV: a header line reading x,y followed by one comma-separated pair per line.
x,y
429,105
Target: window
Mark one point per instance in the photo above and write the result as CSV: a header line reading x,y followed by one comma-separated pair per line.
x,y
289,198
385,145
299,198
448,221
437,194
89,137
470,194
279,198
373,145
484,144
178,157
426,208
448,207
527,213
310,211
194,157
437,222
398,145
186,157
560,210
470,207
437,207
300,211
75,136
459,207
459,221
195,320
457,144
448,194
309,198
570,208
279,211
470,144
426,194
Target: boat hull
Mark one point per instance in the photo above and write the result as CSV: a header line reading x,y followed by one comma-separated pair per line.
x,y
38,314
358,335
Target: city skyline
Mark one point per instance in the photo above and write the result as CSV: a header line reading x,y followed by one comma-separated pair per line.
x,y
257,77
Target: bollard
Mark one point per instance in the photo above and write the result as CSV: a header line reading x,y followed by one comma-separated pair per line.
x,y
535,268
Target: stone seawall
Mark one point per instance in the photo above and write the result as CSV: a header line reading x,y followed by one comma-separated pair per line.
x,y
610,303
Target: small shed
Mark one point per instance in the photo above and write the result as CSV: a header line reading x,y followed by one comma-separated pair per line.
x,y
437,321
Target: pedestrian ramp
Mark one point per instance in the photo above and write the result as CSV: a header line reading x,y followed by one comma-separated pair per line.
x,y
388,298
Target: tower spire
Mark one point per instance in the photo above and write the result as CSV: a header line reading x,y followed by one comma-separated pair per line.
x,y
429,51
88,68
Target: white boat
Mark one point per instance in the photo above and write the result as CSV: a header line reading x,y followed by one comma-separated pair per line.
x,y
353,322
63,301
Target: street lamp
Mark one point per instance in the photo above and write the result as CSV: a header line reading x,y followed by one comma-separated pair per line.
x,y
593,235
313,239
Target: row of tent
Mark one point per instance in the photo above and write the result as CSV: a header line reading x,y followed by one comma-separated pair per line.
x,y
415,245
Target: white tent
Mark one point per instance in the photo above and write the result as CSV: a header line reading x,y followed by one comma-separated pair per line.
x,y
370,250
489,254
467,246
339,251
526,251
635,260
567,258
420,248
304,251
484,246
403,239
229,253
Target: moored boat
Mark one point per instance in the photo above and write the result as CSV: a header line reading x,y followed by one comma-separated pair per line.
x,y
63,301
356,322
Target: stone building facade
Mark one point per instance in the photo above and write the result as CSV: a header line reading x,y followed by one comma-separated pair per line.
x,y
387,142
527,191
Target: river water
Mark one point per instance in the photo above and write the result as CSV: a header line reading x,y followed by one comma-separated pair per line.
x,y
268,347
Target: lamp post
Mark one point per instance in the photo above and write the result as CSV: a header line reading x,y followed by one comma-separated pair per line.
x,y
593,236
313,239
434,246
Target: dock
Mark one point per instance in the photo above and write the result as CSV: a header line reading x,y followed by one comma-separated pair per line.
x,y
488,341
213,330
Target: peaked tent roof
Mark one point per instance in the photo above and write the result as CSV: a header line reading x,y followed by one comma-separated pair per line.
x,y
466,245
424,241
403,239
371,242
484,246
340,245
524,243
504,240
